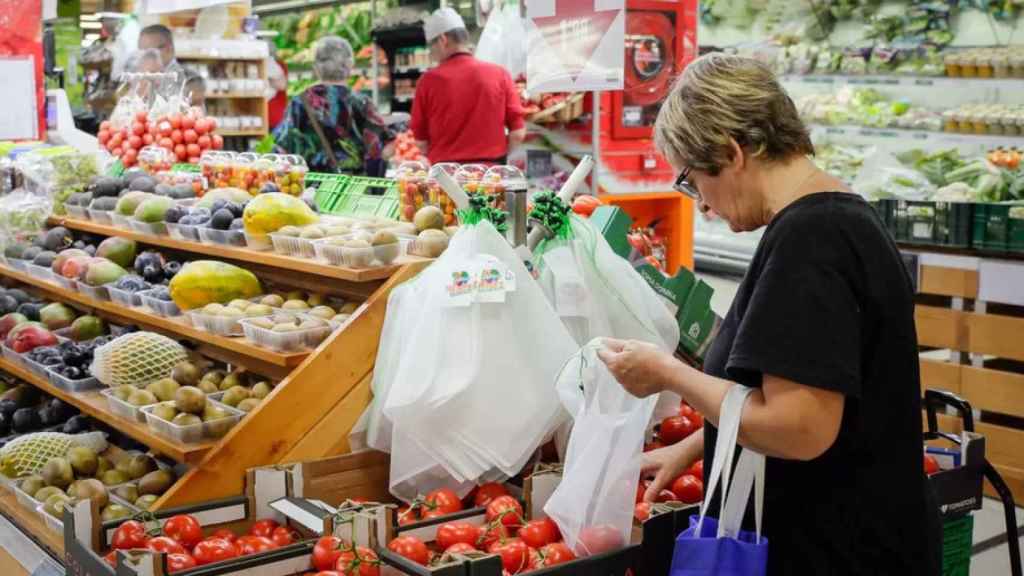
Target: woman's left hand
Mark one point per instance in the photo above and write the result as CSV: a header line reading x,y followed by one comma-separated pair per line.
x,y
636,365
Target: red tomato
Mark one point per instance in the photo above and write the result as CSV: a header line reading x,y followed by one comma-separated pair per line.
x,y
130,156
213,550
213,123
218,142
165,128
600,538
147,139
460,548
190,136
225,534
535,560
129,535
142,117
585,205
177,136
111,558
204,142
185,529
653,445
325,573
697,469
283,536
487,492
202,126
410,547
193,150
253,545
553,526
175,121
263,528
326,552
359,562
675,428
507,509
138,128
135,142
444,500
688,489
407,515
537,533
103,136
931,465
180,150
116,138
180,561
452,533
187,122
165,544
515,554
493,532
167,143
193,159
105,125
642,511
557,553
686,410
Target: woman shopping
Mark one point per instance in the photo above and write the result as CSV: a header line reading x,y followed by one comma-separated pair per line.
x,y
822,327
333,128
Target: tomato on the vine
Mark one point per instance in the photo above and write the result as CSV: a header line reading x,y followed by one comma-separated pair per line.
x,y
697,469
557,553
491,533
180,561
359,562
410,547
185,529
283,536
165,544
442,501
129,535
507,509
213,550
407,515
537,533
263,528
254,545
451,533
487,492
688,489
111,558
460,548
600,538
515,554
326,552
675,428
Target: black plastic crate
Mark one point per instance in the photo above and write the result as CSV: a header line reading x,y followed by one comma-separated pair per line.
x,y
999,228
928,223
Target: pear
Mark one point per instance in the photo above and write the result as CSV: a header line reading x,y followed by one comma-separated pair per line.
x,y
190,399
142,398
248,405
114,477
57,472
102,465
208,387
260,390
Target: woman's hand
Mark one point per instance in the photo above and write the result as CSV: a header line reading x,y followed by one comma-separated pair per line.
x,y
636,365
670,462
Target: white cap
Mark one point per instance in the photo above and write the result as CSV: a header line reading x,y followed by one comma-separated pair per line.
x,y
441,21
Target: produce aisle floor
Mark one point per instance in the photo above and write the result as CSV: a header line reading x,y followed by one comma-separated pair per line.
x,y
991,556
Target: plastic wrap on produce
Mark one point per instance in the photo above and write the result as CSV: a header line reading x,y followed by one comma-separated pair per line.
x,y
883,176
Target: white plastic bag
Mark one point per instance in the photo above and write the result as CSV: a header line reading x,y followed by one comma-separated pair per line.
x,y
593,504
459,368
503,41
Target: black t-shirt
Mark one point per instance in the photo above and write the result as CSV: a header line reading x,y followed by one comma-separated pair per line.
x,y
827,303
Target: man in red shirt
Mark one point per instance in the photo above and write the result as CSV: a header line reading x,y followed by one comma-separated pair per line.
x,y
463,106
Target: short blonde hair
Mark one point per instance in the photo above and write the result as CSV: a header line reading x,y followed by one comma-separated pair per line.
x,y
721,97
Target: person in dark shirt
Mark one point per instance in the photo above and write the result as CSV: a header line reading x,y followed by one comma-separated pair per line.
x,y
822,327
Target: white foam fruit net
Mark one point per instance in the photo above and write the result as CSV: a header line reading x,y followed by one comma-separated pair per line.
x,y
137,359
28,454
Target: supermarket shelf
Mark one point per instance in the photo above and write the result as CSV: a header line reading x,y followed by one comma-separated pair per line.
x,y
888,80
236,253
178,325
235,95
941,138
29,522
218,58
410,69
93,404
242,132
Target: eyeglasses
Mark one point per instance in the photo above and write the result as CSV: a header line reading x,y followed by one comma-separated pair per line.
x,y
684,187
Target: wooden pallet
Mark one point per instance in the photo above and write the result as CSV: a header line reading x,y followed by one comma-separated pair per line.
x,y
986,360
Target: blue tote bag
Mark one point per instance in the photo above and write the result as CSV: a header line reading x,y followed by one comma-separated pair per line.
x,y
711,547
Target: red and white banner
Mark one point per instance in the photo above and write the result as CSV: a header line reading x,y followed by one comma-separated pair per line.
x,y
574,45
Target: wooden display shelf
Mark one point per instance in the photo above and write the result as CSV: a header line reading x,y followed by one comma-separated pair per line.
x,y
265,258
92,403
31,524
178,326
234,95
259,132
216,58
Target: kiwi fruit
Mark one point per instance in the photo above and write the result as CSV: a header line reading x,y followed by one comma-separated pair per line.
x,y
164,388
186,419
142,398
31,484
44,494
259,390
83,460
165,412
186,374
102,465
208,387
248,405
190,399
144,502
233,396
57,472
113,477
91,489
127,492
156,482
138,465
54,505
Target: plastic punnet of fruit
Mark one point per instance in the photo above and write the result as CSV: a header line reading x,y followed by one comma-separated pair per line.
x,y
500,179
413,189
437,196
154,159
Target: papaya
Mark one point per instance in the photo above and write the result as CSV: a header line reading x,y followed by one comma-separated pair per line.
x,y
204,282
270,212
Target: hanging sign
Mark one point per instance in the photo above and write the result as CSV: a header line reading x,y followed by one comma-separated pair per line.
x,y
574,45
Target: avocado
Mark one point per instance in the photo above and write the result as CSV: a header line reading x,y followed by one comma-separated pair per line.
x,y
222,219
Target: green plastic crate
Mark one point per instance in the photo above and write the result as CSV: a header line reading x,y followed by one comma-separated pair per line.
x,y
366,196
957,539
928,223
185,167
999,227
328,188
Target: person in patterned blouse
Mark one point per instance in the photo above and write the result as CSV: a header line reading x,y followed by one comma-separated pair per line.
x,y
355,133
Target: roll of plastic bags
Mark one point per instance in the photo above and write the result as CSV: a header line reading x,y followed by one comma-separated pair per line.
x,y
593,504
599,294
